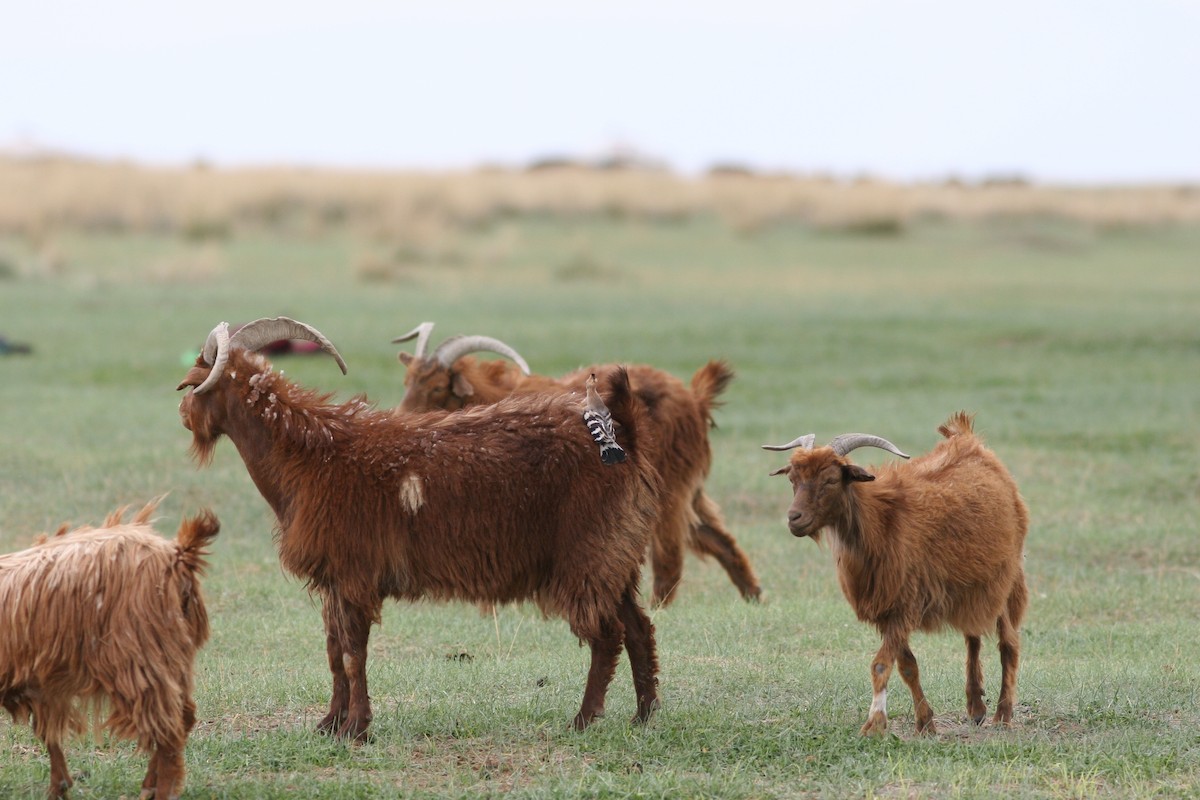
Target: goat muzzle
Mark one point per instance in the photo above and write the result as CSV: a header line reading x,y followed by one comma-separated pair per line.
x,y
800,526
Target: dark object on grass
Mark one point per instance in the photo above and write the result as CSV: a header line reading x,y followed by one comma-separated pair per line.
x,y
9,348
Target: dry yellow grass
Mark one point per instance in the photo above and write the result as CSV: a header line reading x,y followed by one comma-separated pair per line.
x,y
40,196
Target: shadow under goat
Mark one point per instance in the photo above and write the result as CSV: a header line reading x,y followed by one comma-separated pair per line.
x,y
935,542
499,504
112,617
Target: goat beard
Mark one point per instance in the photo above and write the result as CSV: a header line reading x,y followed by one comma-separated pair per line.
x,y
204,443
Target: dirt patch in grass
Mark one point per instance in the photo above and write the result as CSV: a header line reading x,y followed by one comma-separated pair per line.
x,y
489,764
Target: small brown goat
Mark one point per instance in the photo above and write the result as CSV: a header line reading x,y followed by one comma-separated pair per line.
x,y
111,617
498,504
935,542
450,379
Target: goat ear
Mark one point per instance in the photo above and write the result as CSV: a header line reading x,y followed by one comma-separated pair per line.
x,y
406,358
195,377
786,468
853,472
461,386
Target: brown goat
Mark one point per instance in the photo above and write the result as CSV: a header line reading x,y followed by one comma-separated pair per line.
x,y
935,542
498,504
451,380
108,617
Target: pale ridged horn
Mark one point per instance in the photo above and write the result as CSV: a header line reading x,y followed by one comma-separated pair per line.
x,y
215,353
262,332
806,441
844,444
456,347
252,336
421,334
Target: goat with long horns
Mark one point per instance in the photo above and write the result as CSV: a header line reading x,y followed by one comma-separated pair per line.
x,y
937,541
500,504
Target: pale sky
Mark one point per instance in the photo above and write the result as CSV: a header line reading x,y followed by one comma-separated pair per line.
x,y
1056,90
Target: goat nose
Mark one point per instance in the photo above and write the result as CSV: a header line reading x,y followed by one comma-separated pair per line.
x,y
798,523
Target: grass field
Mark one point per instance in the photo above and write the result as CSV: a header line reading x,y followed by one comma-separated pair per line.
x,y
1077,346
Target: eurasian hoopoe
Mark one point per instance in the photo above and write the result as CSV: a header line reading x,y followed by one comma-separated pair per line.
x,y
599,422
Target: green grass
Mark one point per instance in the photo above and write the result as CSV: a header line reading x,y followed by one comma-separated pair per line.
x,y
1078,349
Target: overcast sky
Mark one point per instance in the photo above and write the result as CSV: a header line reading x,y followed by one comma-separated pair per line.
x,y
1056,90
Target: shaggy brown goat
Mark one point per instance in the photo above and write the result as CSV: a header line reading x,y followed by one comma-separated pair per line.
x,y
449,379
922,545
110,617
503,503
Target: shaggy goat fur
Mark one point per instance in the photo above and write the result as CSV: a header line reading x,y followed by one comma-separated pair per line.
x,y
681,419
497,504
938,541
108,617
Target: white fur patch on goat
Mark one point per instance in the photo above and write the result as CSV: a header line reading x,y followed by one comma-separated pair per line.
x,y
879,702
412,492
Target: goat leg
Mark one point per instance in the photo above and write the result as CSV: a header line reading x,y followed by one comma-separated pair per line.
x,y
339,703
164,774
911,674
606,650
60,777
164,778
666,550
1010,656
643,660
352,627
976,708
150,782
711,538
881,671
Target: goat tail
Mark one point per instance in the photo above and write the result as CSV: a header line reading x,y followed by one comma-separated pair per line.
x,y
707,384
960,424
194,535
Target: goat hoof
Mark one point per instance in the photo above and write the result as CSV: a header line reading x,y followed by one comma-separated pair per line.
x,y
355,731
646,712
331,725
926,728
582,720
876,725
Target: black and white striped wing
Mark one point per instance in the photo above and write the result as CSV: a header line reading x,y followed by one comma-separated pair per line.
x,y
599,422
600,425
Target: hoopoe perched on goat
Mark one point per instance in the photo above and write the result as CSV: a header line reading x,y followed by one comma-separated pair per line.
x,y
600,425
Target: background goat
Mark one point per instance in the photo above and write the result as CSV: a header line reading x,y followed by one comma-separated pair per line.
x,y
449,378
934,542
497,504
107,615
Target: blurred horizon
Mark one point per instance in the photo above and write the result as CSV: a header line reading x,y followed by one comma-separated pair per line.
x,y
1060,92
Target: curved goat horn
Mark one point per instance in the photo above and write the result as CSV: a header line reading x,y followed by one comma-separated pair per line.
x,y
842,445
456,347
806,441
262,332
215,353
421,334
